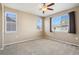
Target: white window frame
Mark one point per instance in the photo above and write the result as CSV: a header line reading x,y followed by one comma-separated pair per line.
x,y
67,24
6,23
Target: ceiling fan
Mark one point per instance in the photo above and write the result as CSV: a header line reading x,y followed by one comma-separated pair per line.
x,y
46,7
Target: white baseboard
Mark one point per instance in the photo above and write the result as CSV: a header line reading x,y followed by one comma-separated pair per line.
x,y
55,39
36,38
32,38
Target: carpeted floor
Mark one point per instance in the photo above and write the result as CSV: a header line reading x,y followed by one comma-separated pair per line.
x,y
40,47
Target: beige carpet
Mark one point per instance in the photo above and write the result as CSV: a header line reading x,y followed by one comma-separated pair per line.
x,y
40,47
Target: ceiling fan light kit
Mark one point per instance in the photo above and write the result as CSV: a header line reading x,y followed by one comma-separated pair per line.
x,y
45,7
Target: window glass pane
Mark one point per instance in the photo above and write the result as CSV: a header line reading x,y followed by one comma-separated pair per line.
x,y
60,23
39,24
11,26
56,21
10,17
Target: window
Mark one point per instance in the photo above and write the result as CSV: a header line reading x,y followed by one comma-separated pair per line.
x,y
60,23
10,22
39,24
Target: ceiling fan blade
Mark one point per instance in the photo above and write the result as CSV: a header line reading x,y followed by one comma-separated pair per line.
x,y
49,8
50,4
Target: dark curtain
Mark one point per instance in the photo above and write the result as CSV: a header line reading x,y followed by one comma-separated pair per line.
x,y
72,25
50,24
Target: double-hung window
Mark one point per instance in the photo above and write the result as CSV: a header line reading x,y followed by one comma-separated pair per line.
x,y
10,22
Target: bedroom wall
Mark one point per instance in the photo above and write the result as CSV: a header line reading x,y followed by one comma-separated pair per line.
x,y
0,18
26,27
67,37
0,26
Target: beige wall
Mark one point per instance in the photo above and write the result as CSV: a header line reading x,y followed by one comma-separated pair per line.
x,y
64,36
0,18
26,27
0,26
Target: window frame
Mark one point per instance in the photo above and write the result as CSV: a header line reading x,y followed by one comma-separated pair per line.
x,y
39,19
10,22
51,24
